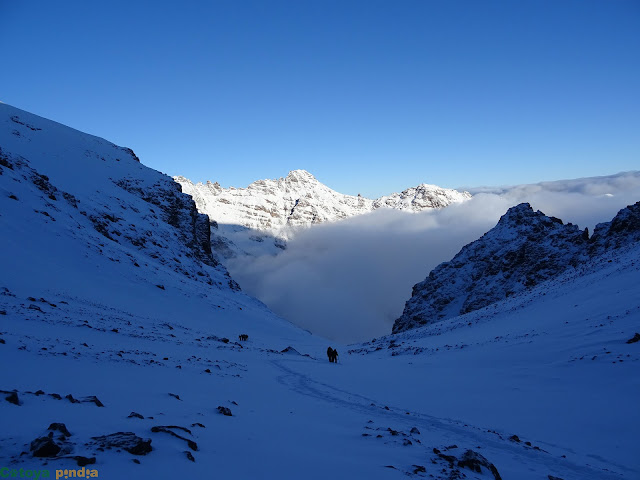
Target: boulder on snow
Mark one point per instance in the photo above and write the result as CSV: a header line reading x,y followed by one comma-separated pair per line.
x,y
44,447
634,339
225,411
474,461
13,398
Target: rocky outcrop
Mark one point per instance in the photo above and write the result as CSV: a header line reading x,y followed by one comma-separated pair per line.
x,y
524,249
623,230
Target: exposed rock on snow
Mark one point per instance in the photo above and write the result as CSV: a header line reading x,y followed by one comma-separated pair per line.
x,y
474,461
225,411
623,230
128,441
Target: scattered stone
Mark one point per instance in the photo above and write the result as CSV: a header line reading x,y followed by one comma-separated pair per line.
x,y
415,431
224,411
167,429
83,461
451,447
634,339
514,438
71,399
56,396
38,393
207,370
290,350
128,441
177,397
161,287
392,431
474,461
135,460
407,442
551,477
189,455
135,415
198,425
419,469
93,399
13,398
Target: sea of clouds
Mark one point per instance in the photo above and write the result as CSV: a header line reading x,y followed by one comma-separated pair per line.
x,y
349,280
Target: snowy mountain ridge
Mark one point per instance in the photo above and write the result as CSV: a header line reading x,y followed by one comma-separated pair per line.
x,y
524,249
263,216
118,344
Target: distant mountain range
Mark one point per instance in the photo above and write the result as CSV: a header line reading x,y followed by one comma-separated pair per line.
x,y
263,216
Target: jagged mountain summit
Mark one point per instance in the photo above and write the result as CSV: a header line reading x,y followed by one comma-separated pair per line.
x,y
263,216
524,249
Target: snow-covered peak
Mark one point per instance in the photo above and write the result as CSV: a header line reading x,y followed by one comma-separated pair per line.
x,y
300,176
421,197
263,216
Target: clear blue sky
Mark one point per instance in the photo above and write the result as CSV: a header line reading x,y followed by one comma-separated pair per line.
x,y
371,96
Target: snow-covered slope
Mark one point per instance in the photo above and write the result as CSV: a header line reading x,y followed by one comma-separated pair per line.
x,y
555,365
260,218
124,351
524,249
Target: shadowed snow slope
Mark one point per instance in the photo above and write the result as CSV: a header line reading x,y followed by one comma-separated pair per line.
x,y
114,319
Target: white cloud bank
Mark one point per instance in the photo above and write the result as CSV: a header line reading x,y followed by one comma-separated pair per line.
x,y
349,280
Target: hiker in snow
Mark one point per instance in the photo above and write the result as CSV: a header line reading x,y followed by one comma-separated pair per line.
x,y
330,354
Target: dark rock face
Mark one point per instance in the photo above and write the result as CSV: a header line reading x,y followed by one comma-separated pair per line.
x,y
127,441
523,250
623,230
44,447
